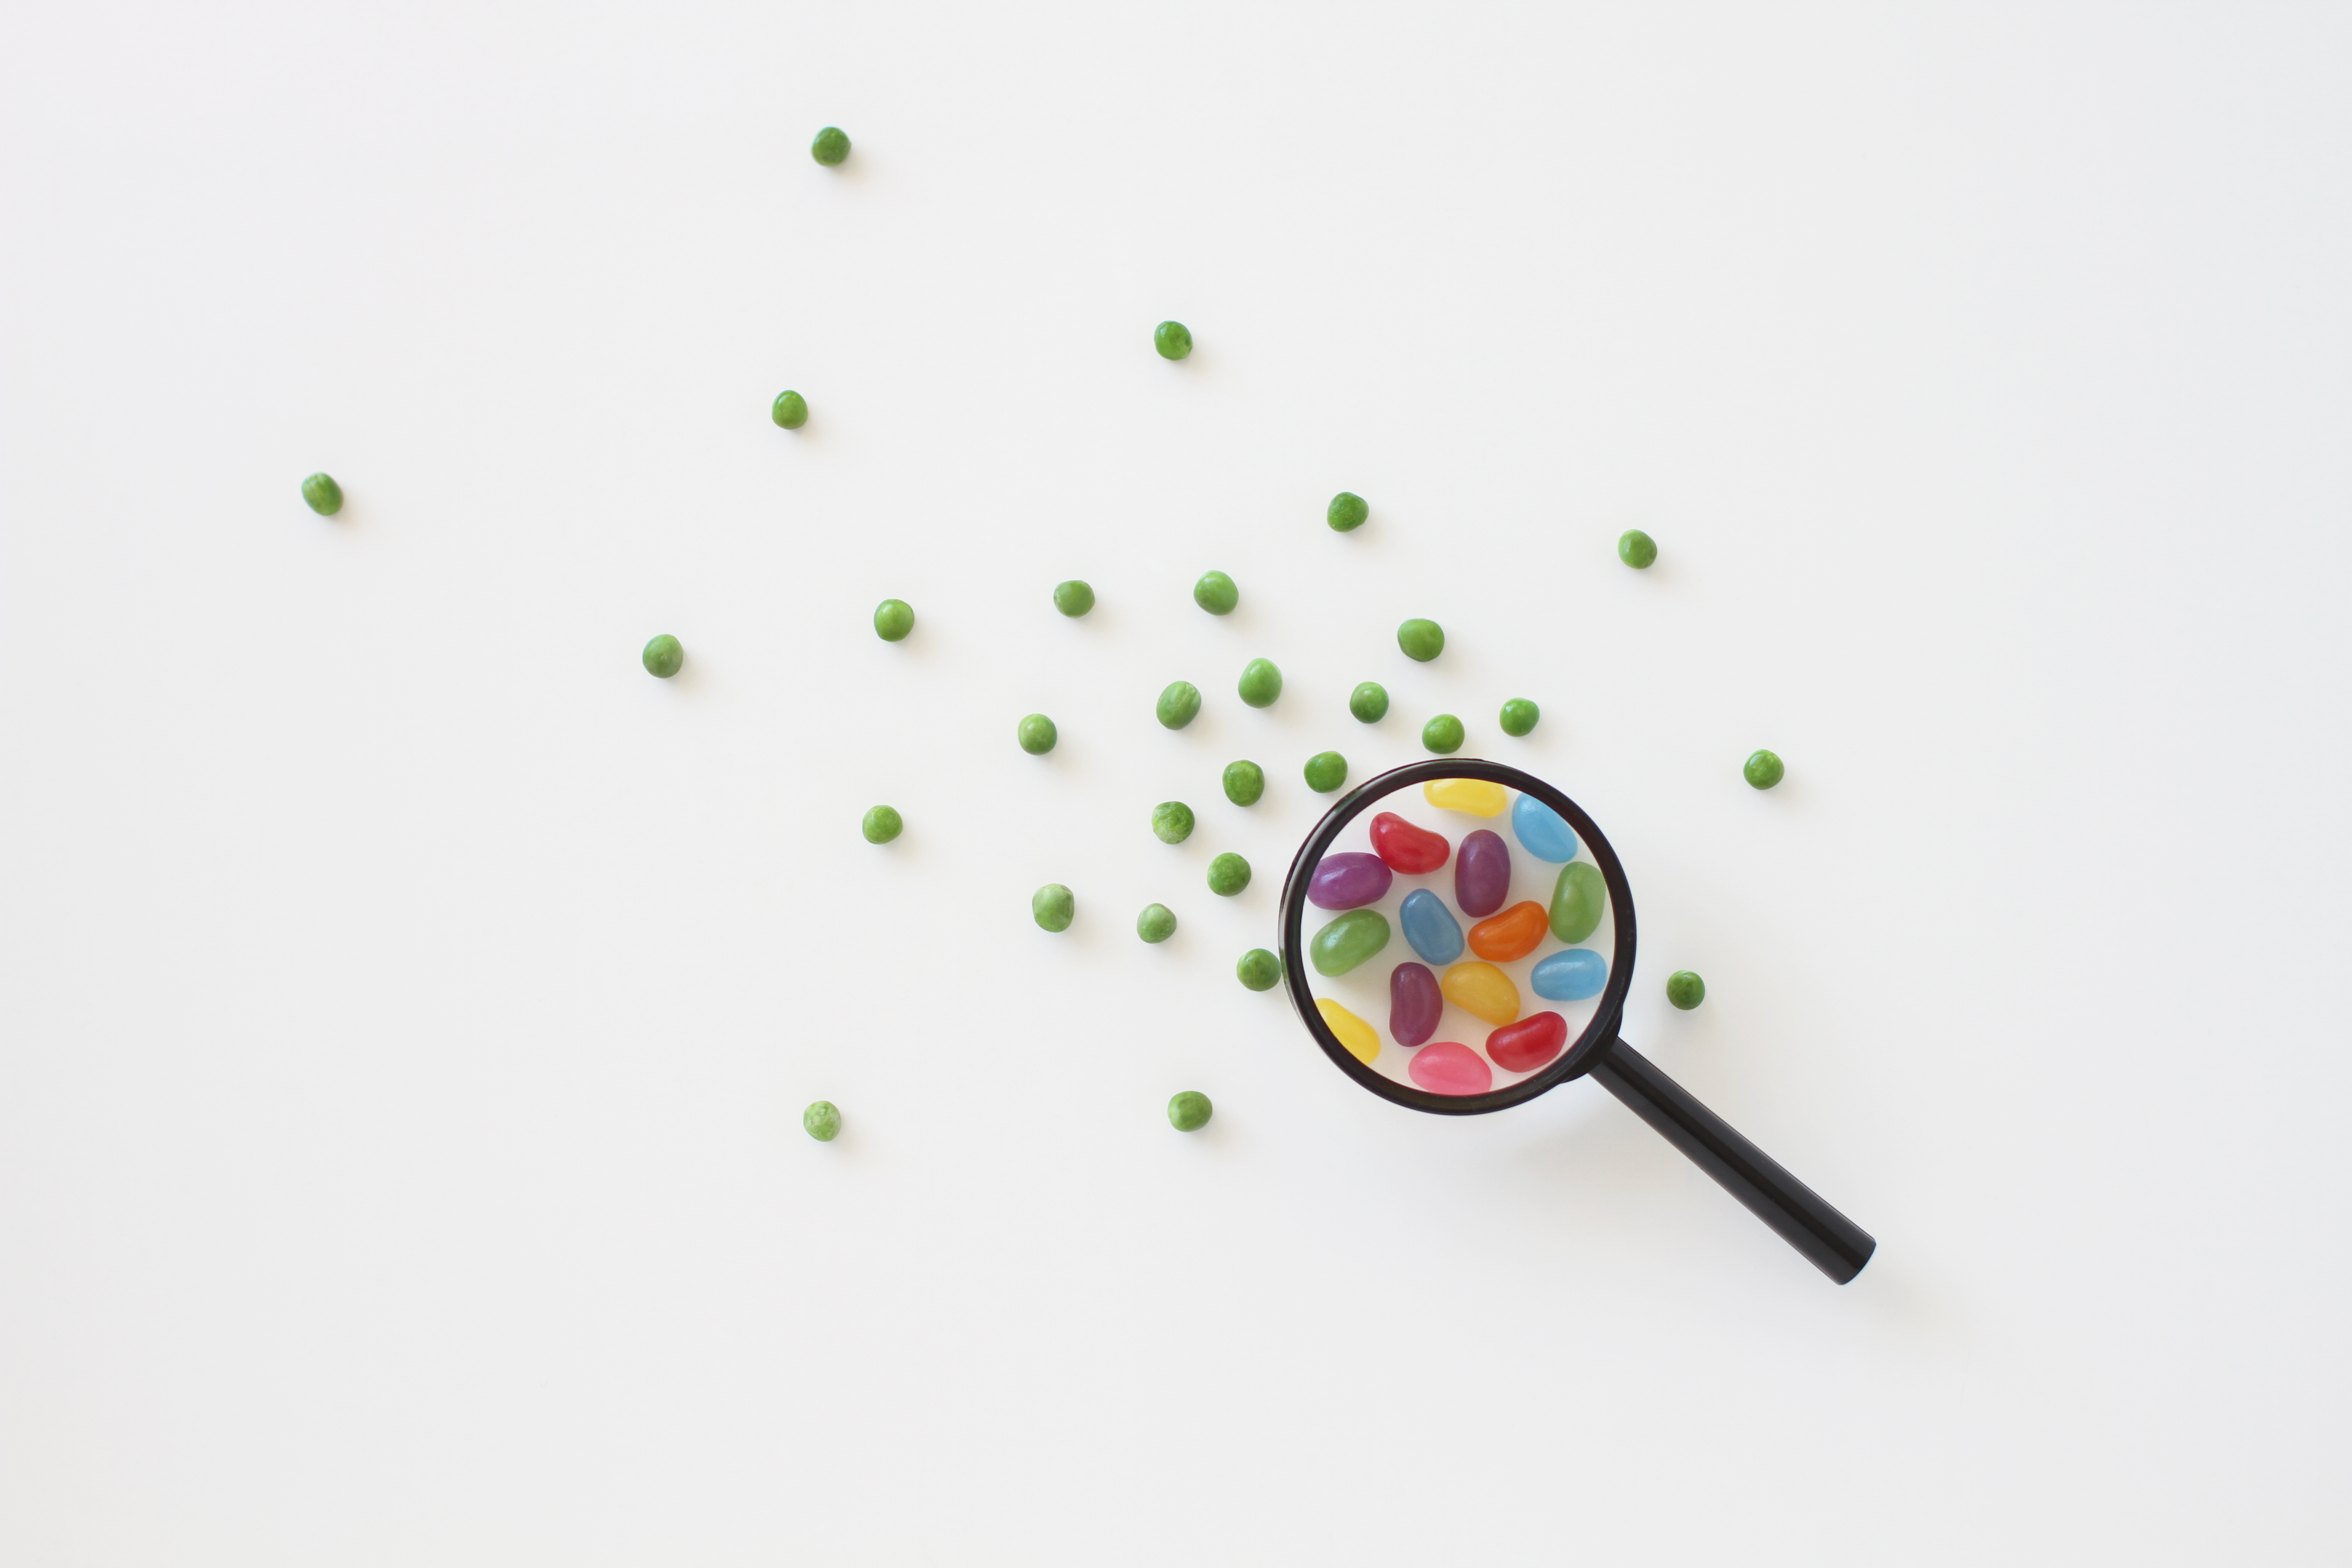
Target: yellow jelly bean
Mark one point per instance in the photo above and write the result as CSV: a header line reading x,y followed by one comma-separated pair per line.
x,y
1363,1041
1481,989
1476,796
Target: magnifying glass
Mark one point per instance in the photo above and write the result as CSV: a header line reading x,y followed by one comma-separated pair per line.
x,y
1472,942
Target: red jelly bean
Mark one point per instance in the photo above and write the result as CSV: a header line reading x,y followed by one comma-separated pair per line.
x,y
1482,873
1415,1003
1415,851
1446,1067
1511,935
1528,1043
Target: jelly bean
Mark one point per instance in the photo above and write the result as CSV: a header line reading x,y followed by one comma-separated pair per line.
x,y
1415,1003
1511,935
1431,927
1481,873
1363,1041
1476,796
1446,1067
1348,881
1348,941
1542,832
1482,990
1415,851
1570,976
1576,902
1528,1043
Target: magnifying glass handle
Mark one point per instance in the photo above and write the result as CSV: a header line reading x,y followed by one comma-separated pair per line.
x,y
1837,1247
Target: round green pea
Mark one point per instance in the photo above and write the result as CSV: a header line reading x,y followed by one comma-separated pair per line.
x,y
1190,1111
1259,970
663,657
1636,548
1215,593
1054,906
1037,734
1347,513
1326,770
1244,782
1685,989
821,1120
1172,339
1519,716
1443,734
1764,770
1180,704
791,410
882,824
893,619
322,495
1156,923
831,146
1228,875
1073,598
1171,822
1369,702
1422,640
1261,683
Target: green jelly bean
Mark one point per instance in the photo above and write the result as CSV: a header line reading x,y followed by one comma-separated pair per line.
x,y
1259,970
1577,899
1172,339
1348,941
831,146
1054,906
1215,593
1636,548
322,495
1190,1111
1347,513
1180,704
791,410
1261,683
882,824
1443,734
1519,716
1073,598
1369,702
663,657
821,1120
1244,782
1228,875
1037,735
1156,923
1764,770
1171,822
1326,770
1685,989
1422,640
893,619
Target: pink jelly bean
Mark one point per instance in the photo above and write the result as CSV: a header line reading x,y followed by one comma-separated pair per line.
x,y
1348,882
1481,873
1446,1067
1415,1003
1527,1044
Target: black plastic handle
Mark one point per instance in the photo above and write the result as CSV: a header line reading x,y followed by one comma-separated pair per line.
x,y
1837,1247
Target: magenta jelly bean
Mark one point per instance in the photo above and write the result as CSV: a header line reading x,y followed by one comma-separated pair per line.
x,y
1348,881
1415,1003
1481,873
1448,1068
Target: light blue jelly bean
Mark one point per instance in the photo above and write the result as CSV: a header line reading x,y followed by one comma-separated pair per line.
x,y
1431,927
1542,833
1570,976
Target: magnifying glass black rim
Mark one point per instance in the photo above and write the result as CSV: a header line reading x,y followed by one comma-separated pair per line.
x,y
1572,1062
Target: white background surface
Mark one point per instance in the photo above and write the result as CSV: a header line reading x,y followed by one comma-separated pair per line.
x,y
408,1003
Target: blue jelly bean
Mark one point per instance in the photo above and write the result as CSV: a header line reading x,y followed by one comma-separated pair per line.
x,y
1431,927
1570,975
1541,832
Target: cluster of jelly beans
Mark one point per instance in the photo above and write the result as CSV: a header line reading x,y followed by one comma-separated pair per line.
x,y
1352,882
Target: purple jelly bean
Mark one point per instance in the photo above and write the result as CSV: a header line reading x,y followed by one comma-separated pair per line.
x,y
1481,873
1414,1003
1348,882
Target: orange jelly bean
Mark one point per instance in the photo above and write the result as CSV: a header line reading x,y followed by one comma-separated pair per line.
x,y
1511,935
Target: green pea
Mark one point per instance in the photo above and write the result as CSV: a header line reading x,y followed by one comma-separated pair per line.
x,y
1519,716
1054,906
1261,683
322,495
1228,875
1156,923
1190,1111
821,1120
893,619
1180,704
791,410
1422,640
1326,770
1244,782
1215,593
1369,702
1172,339
1636,548
1347,513
1171,822
1685,989
831,146
1037,734
1259,970
1073,598
1764,770
663,656
1443,734
882,824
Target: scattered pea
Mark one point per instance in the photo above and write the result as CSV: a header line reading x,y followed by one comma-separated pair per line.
x,y
1156,923
1215,593
1228,875
1519,716
1636,548
663,657
1190,1111
1244,782
1171,822
1054,906
831,146
1180,704
893,619
1369,702
821,1120
1443,734
1037,734
1261,683
1685,989
1259,970
322,495
1764,770
1172,339
1422,640
1347,513
882,824
1326,770
791,410
1073,598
